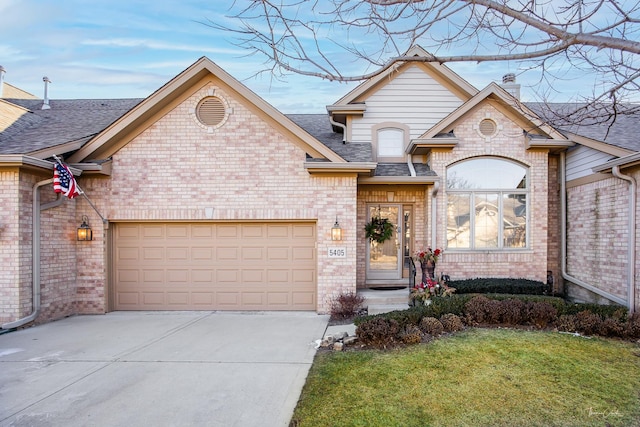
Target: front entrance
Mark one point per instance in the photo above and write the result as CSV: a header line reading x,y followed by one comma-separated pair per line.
x,y
385,260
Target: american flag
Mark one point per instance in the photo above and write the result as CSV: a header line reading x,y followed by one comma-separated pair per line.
x,y
64,182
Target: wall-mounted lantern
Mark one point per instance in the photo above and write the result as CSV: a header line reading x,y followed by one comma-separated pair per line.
x,y
84,231
336,231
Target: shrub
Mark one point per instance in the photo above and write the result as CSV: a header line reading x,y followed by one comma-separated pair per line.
x,y
451,322
604,311
477,309
346,305
378,332
541,314
411,334
611,327
567,323
588,323
513,311
498,286
632,326
431,326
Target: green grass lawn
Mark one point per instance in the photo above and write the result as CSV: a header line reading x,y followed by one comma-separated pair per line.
x,y
480,377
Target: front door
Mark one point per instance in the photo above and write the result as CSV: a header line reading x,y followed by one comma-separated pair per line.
x,y
384,260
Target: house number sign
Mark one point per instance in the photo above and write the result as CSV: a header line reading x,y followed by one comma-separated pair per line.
x,y
337,252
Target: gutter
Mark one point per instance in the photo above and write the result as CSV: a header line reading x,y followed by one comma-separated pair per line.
x,y
631,247
340,125
35,259
563,240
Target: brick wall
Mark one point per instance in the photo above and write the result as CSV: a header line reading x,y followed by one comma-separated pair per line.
x,y
508,143
598,237
245,170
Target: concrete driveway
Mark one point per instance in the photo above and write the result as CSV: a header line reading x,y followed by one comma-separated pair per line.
x,y
158,369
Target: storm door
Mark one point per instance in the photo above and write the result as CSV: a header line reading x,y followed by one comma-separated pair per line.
x,y
384,260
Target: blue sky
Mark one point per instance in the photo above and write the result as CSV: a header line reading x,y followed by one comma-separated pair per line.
x,y
130,48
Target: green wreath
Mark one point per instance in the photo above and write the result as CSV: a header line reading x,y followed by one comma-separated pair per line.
x,y
378,230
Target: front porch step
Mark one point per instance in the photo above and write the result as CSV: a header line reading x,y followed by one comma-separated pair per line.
x,y
378,301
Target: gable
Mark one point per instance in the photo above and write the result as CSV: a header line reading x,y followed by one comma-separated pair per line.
x,y
200,74
412,97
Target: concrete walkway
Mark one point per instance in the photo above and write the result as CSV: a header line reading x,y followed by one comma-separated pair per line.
x,y
159,369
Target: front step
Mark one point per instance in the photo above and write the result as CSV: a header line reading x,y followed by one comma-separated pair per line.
x,y
378,301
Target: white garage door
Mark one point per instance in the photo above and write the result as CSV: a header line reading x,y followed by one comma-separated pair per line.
x,y
207,266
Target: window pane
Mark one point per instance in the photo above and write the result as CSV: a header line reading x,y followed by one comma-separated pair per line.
x,y
391,142
486,221
515,220
458,221
487,173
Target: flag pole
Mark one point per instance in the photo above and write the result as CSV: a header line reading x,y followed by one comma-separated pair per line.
x,y
81,191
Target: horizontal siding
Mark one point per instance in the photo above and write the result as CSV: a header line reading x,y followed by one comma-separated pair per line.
x,y
582,159
413,98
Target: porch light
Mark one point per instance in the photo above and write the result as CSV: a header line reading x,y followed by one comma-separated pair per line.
x,y
336,231
84,231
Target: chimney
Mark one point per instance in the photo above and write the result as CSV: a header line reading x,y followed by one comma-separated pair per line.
x,y
2,71
45,103
509,84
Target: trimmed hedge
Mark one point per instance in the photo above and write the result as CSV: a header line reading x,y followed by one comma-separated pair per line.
x,y
500,286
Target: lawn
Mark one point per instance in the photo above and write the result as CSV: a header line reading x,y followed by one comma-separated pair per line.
x,y
479,377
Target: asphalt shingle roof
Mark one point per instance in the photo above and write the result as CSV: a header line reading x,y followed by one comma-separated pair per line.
x,y
66,121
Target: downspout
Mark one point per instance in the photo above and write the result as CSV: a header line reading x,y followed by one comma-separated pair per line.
x,y
35,242
631,249
434,215
340,125
563,240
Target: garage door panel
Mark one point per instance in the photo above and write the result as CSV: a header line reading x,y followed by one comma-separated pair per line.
x,y
209,266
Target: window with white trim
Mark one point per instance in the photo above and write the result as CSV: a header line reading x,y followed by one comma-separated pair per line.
x,y
487,204
390,142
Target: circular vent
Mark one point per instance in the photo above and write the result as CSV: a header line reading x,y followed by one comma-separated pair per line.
x,y
488,127
211,111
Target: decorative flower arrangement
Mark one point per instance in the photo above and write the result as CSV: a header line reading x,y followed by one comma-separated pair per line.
x,y
423,293
424,255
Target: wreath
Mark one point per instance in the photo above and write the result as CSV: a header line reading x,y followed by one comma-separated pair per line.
x,y
379,230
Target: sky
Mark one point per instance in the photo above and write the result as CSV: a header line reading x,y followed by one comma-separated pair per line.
x,y
130,48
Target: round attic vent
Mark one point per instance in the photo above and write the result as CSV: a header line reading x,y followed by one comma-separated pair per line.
x,y
488,127
211,111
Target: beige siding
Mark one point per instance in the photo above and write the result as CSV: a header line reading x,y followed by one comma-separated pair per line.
x,y
581,160
412,98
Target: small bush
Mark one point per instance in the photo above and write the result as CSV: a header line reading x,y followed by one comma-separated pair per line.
x,y
567,323
477,309
451,322
513,311
411,334
431,326
632,326
378,332
611,327
588,323
346,305
541,314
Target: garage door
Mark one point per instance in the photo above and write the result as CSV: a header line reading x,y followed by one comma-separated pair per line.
x,y
206,266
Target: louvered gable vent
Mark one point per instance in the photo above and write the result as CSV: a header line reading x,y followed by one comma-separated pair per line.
x,y
211,111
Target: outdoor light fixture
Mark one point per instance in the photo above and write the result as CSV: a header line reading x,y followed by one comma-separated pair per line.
x,y
84,231
336,231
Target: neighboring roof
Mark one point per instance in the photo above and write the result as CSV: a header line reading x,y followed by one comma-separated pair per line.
x,y
67,121
623,132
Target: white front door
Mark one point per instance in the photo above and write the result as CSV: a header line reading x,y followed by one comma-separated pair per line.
x,y
384,260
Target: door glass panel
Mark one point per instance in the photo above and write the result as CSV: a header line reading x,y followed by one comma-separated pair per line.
x,y
385,257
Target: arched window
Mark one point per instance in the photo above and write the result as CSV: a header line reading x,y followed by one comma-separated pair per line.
x,y
487,204
389,142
